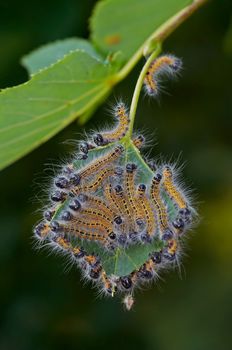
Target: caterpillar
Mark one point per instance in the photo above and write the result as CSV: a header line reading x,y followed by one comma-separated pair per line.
x,y
109,158
166,64
160,207
147,213
170,251
80,232
41,230
171,189
121,115
64,244
90,223
111,197
92,186
129,184
184,215
97,202
147,271
138,141
109,288
92,269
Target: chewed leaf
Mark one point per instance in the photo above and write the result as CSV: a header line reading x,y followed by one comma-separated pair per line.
x,y
34,111
124,25
49,54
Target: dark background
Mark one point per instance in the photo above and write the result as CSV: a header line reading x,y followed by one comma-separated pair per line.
x,y
41,306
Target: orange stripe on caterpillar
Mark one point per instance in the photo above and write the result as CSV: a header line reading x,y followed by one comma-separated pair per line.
x,y
65,244
90,223
150,268
158,204
93,262
123,203
116,207
112,199
120,113
146,212
102,161
93,186
108,286
167,64
42,230
83,233
171,189
99,203
147,270
129,185
96,214
170,251
94,269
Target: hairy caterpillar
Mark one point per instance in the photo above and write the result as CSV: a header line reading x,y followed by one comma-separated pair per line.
x,y
146,213
103,161
138,141
121,115
160,207
167,64
172,190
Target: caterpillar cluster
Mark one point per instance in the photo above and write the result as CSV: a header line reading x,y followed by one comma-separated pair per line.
x,y
99,197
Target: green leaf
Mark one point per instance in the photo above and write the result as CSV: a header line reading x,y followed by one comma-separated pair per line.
x,y
124,25
33,112
48,54
122,261
75,83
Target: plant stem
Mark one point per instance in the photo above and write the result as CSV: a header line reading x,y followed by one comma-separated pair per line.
x,y
138,88
159,35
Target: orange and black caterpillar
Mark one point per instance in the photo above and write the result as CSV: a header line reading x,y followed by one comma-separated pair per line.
x,y
166,64
122,117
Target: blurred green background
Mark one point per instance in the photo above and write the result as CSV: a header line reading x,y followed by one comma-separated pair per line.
x,y
43,307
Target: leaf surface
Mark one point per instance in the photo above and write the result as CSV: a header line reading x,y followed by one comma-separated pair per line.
x,y
48,54
124,25
33,112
